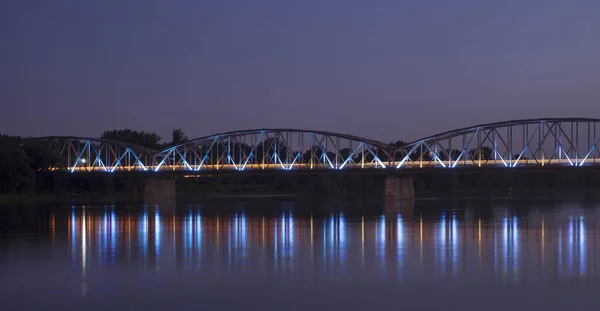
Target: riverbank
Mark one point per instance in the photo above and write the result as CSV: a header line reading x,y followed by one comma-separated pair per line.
x,y
485,183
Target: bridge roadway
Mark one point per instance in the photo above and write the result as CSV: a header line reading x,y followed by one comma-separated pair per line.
x,y
320,167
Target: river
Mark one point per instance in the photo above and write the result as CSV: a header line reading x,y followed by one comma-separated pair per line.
x,y
269,254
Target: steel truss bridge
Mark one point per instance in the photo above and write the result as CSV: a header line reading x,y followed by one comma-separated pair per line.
x,y
519,143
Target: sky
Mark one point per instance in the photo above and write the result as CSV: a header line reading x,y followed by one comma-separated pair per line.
x,y
387,70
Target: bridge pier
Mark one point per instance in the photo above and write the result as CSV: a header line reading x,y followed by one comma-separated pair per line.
x,y
159,187
399,188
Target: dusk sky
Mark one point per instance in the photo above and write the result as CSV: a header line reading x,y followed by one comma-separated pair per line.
x,y
387,70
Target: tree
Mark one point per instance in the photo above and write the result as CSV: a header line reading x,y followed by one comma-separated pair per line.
x,y
399,144
178,137
16,174
43,157
10,142
140,138
485,153
43,161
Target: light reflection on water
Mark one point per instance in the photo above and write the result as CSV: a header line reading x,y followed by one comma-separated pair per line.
x,y
423,244
512,247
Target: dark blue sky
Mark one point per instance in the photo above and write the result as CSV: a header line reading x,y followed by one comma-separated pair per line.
x,y
387,69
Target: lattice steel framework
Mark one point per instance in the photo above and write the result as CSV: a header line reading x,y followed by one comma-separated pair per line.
x,y
283,149
90,154
541,142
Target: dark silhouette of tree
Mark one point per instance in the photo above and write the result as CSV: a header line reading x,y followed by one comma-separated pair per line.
x,y
140,138
421,153
345,153
444,155
484,152
399,144
178,137
313,155
43,160
455,153
16,174
8,142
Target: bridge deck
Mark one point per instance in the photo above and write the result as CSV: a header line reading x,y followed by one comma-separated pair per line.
x,y
387,165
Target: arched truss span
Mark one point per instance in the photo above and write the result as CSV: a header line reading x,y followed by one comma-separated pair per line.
x,y
92,154
284,149
541,142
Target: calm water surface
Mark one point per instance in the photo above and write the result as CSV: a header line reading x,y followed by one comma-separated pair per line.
x,y
297,255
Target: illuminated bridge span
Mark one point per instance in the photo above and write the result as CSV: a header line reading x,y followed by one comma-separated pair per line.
x,y
534,142
92,154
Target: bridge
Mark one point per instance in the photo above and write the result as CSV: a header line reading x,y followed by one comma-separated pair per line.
x,y
566,142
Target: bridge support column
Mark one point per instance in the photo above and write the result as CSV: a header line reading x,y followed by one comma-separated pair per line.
x,y
399,188
159,188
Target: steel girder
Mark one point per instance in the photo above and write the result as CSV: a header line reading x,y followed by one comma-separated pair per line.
x,y
541,142
91,154
283,149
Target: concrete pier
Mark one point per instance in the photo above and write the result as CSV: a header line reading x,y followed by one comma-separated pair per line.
x,y
399,188
159,187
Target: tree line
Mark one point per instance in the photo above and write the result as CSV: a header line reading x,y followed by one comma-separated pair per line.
x,y
24,168
145,139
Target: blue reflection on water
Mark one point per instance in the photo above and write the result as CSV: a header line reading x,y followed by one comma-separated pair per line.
x,y
144,232
157,231
570,245
332,238
582,255
441,259
399,242
331,229
73,233
244,231
113,228
324,245
290,235
380,241
188,236
238,242
454,233
559,250
515,236
198,235
104,234
284,235
505,240
342,238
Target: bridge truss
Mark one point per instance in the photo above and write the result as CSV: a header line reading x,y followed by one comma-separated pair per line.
x,y
534,142
284,149
89,154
